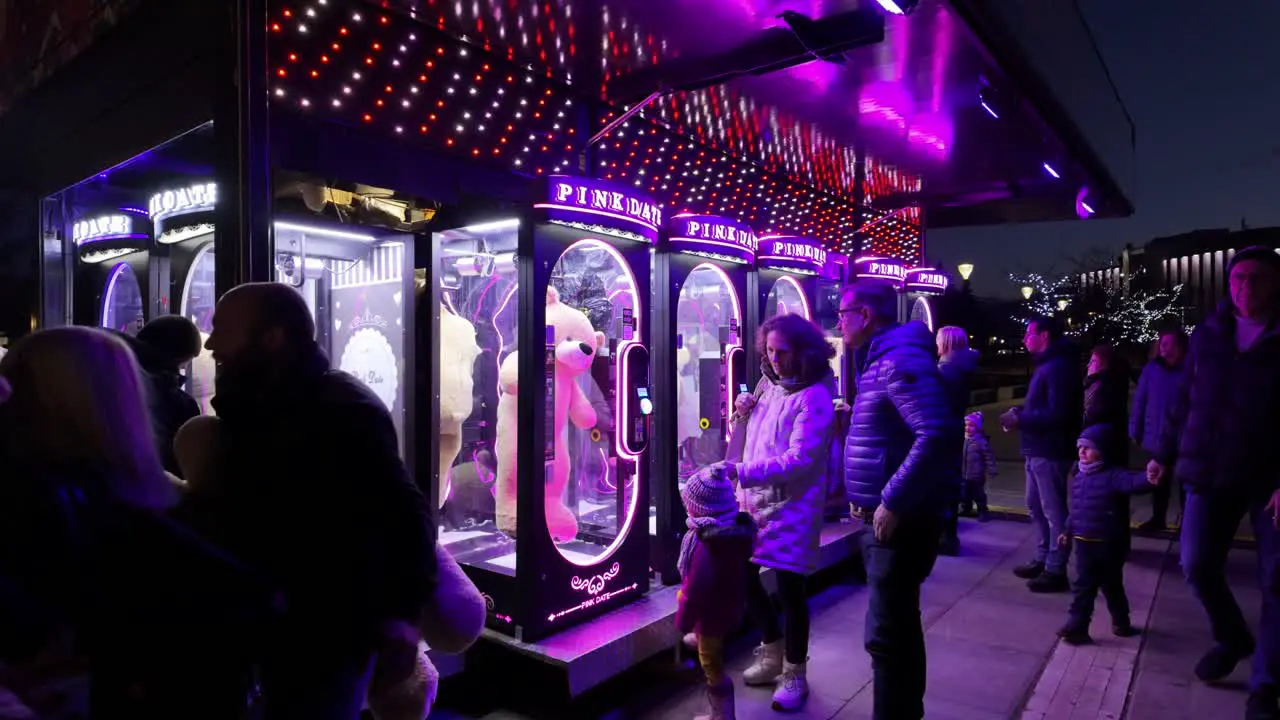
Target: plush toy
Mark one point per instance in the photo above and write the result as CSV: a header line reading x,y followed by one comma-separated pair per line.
x,y
203,372
458,353
576,342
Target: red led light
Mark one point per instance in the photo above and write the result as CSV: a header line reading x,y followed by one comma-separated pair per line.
x,y
282,72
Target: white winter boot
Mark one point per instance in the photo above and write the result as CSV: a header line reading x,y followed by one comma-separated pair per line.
x,y
793,688
720,700
768,665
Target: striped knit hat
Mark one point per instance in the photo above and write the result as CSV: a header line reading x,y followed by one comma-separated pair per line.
x,y
708,493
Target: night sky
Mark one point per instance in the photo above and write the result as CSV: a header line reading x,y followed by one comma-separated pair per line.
x,y
1200,80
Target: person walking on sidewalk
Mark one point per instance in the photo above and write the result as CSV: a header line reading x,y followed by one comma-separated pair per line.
x,y
783,480
313,492
899,466
1100,532
957,364
978,465
1157,388
1049,421
1222,432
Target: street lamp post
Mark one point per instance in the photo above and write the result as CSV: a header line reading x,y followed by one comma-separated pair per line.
x,y
1027,292
966,271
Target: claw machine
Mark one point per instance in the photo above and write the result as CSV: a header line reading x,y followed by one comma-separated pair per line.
x,y
112,288
921,285
545,456
703,264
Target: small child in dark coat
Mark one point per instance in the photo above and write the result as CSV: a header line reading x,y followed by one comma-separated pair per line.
x,y
713,566
978,464
1099,532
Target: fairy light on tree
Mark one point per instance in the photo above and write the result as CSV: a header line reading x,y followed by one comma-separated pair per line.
x,y
1135,318
1046,290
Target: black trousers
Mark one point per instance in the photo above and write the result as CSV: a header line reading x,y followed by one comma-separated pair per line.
x,y
975,493
1100,568
894,636
794,596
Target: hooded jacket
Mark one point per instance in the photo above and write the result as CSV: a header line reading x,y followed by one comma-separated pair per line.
x,y
1225,417
1157,387
957,370
783,472
1106,402
1098,507
1050,418
899,448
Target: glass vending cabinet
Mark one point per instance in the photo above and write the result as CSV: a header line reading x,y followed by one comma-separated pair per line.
x,y
699,356
788,268
826,313
543,454
182,264
358,282
111,288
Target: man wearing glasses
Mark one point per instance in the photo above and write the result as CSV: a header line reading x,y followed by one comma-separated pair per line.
x,y
895,458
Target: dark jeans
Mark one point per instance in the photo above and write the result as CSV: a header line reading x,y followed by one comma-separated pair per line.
x,y
795,612
1100,566
1209,523
894,635
1047,504
975,493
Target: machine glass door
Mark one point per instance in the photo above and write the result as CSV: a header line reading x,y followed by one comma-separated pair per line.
x,y
597,376
199,296
478,318
122,303
787,296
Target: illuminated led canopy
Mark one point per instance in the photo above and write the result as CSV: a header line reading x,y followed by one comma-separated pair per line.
x,y
712,236
880,269
793,254
589,204
925,280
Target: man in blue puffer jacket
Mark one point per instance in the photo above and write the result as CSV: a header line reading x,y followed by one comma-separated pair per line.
x,y
897,475
1049,420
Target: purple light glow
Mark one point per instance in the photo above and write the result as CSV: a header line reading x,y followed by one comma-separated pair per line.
x,y
108,296
990,112
891,7
1049,169
1083,209
890,105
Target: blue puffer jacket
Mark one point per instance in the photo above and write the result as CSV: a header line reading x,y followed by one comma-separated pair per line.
x,y
1226,416
897,449
1097,507
1050,418
1157,388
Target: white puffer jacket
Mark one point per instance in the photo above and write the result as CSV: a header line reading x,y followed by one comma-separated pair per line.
x,y
783,473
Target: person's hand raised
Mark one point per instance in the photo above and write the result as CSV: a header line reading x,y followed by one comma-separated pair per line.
x,y
1155,472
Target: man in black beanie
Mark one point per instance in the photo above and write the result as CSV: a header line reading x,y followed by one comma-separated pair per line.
x,y
1221,445
164,347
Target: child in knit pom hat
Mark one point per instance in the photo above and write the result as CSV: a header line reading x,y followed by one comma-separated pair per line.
x,y
1099,532
979,463
713,565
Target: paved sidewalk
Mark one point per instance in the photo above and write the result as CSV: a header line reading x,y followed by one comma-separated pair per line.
x,y
993,651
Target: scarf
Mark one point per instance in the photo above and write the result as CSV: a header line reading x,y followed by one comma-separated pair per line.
x,y
788,385
1090,468
692,536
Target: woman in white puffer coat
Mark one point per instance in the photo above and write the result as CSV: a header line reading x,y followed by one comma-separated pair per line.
x,y
789,421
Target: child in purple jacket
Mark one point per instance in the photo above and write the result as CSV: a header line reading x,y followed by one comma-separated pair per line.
x,y
713,564
1098,530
